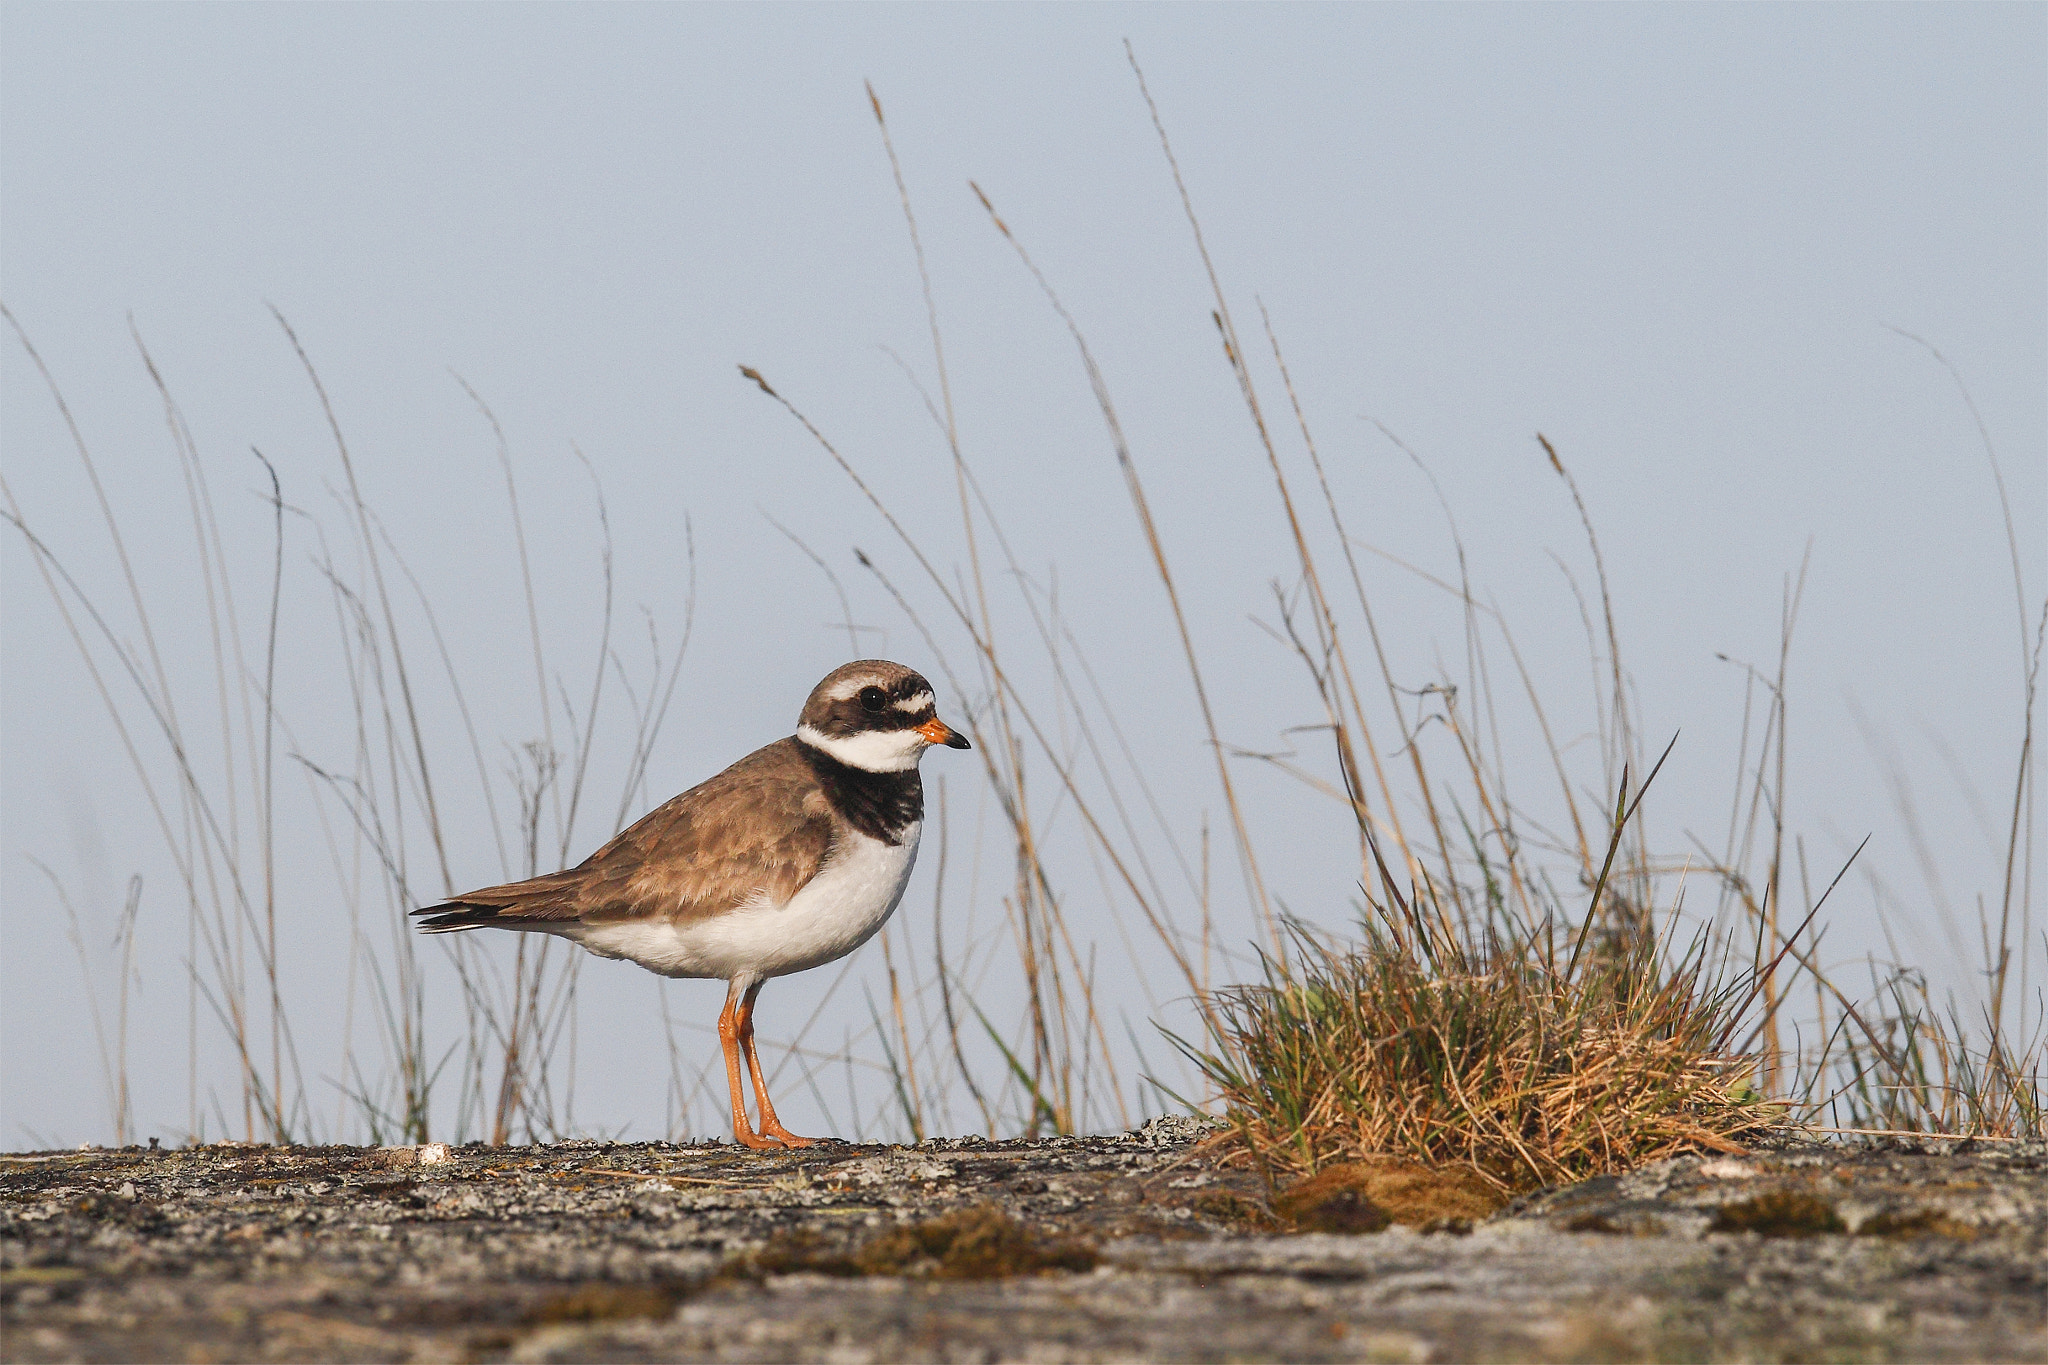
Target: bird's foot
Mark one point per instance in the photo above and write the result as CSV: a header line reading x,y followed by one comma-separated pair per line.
x,y
772,1129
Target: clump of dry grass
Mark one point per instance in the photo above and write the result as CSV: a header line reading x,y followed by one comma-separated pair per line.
x,y
1493,1051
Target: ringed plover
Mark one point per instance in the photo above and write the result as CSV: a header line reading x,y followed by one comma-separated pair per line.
x,y
791,858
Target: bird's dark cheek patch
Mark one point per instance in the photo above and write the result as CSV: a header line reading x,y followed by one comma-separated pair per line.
x,y
844,725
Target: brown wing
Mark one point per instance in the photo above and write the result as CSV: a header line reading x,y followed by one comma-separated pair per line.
x,y
759,827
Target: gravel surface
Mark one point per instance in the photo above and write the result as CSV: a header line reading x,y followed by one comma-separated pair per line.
x,y
1134,1246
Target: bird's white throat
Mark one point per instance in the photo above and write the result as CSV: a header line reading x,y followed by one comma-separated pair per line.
x,y
872,751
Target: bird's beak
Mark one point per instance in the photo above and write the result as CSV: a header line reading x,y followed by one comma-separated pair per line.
x,y
936,731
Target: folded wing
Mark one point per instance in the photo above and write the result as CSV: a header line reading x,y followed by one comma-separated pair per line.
x,y
757,831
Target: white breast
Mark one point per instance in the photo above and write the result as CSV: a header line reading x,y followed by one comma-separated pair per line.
x,y
835,912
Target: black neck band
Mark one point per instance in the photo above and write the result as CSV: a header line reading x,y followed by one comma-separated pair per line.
x,y
880,805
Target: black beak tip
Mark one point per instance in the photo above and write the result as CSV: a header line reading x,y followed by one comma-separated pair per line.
x,y
956,740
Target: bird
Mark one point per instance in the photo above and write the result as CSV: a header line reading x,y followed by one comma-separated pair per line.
x,y
791,858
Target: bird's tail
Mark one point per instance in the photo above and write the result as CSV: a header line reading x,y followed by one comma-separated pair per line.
x,y
453,915
543,903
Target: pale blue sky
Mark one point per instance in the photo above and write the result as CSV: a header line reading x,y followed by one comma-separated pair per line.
x,y
1675,239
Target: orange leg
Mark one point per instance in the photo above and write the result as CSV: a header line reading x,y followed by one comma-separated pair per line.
x,y
730,1029
770,1125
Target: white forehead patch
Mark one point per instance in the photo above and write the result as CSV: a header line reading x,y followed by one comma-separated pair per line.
x,y
913,705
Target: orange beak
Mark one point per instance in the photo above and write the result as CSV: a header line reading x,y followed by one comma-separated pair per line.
x,y
936,731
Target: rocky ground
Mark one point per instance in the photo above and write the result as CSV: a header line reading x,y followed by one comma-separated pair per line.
x,y
1136,1246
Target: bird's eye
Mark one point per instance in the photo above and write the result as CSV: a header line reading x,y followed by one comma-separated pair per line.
x,y
872,700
